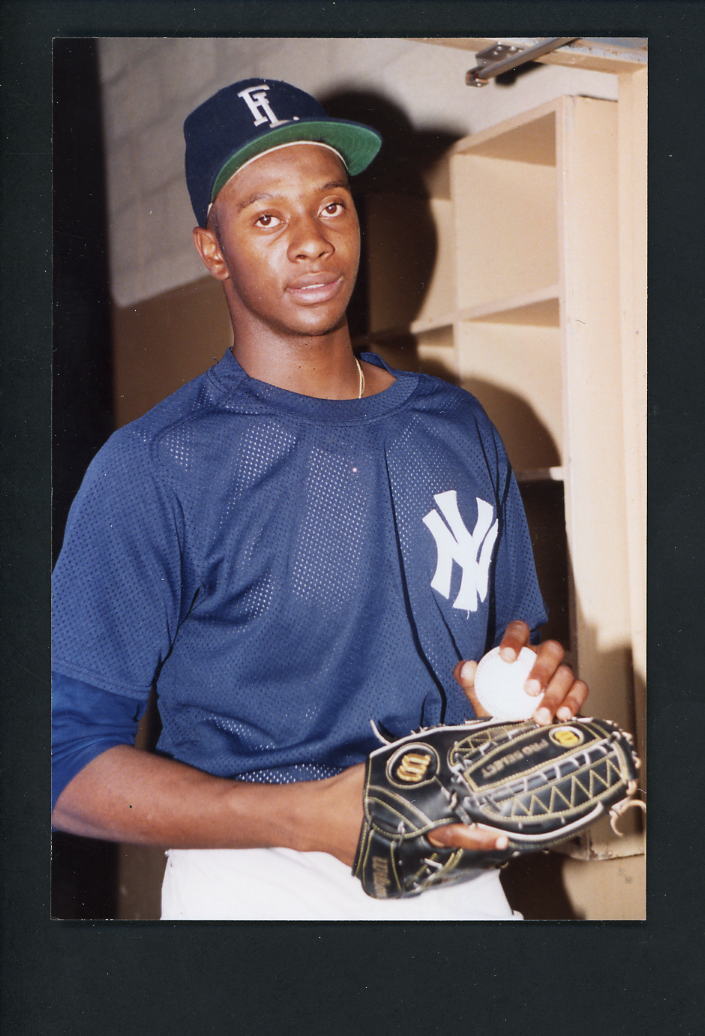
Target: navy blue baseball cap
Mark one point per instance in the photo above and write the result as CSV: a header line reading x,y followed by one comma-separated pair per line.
x,y
248,118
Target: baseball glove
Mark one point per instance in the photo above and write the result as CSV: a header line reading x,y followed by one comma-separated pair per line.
x,y
536,784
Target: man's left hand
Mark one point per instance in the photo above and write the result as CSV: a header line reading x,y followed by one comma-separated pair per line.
x,y
551,680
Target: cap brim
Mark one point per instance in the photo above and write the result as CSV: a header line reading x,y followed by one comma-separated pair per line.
x,y
357,144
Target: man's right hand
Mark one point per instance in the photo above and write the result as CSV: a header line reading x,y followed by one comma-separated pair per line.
x,y
338,828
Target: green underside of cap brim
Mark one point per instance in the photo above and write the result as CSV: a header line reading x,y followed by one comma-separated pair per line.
x,y
356,143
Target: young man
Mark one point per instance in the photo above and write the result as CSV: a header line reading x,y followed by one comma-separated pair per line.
x,y
283,548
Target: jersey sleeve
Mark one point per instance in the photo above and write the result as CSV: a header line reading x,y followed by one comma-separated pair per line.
x,y
86,721
119,586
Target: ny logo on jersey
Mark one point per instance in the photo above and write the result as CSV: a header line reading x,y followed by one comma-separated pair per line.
x,y
471,551
255,97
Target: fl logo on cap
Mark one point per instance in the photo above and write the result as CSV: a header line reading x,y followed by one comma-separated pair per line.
x,y
255,97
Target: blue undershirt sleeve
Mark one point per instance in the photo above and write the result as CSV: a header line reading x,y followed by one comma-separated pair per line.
x,y
85,722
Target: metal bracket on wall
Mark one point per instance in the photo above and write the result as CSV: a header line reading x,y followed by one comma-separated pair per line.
x,y
503,57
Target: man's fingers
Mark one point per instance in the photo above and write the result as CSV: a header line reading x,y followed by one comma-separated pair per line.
x,y
460,836
549,656
563,698
559,695
464,674
574,701
556,690
516,636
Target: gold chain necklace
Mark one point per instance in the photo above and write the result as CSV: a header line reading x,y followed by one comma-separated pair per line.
x,y
361,384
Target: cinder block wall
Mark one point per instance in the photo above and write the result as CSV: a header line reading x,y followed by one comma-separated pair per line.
x,y
149,86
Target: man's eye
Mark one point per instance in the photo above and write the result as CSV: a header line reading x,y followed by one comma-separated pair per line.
x,y
334,208
266,220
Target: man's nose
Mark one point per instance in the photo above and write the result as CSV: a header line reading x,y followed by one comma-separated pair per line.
x,y
308,240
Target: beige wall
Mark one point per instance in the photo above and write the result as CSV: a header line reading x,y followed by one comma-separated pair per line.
x,y
163,342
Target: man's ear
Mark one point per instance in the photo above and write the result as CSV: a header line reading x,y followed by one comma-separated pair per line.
x,y
209,250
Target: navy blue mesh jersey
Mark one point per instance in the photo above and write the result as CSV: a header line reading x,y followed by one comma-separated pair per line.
x,y
285,569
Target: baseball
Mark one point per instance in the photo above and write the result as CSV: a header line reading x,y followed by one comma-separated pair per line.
x,y
499,685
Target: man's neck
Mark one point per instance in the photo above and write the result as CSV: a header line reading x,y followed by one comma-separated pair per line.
x,y
322,366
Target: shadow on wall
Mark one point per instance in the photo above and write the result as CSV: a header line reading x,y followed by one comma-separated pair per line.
x,y
401,172
407,153
534,886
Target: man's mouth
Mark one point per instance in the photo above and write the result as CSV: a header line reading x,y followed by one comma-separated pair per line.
x,y
314,288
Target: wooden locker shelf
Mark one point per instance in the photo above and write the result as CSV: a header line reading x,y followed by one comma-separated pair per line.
x,y
527,137
556,474
540,308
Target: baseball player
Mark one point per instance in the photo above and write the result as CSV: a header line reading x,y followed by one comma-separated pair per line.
x,y
293,545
